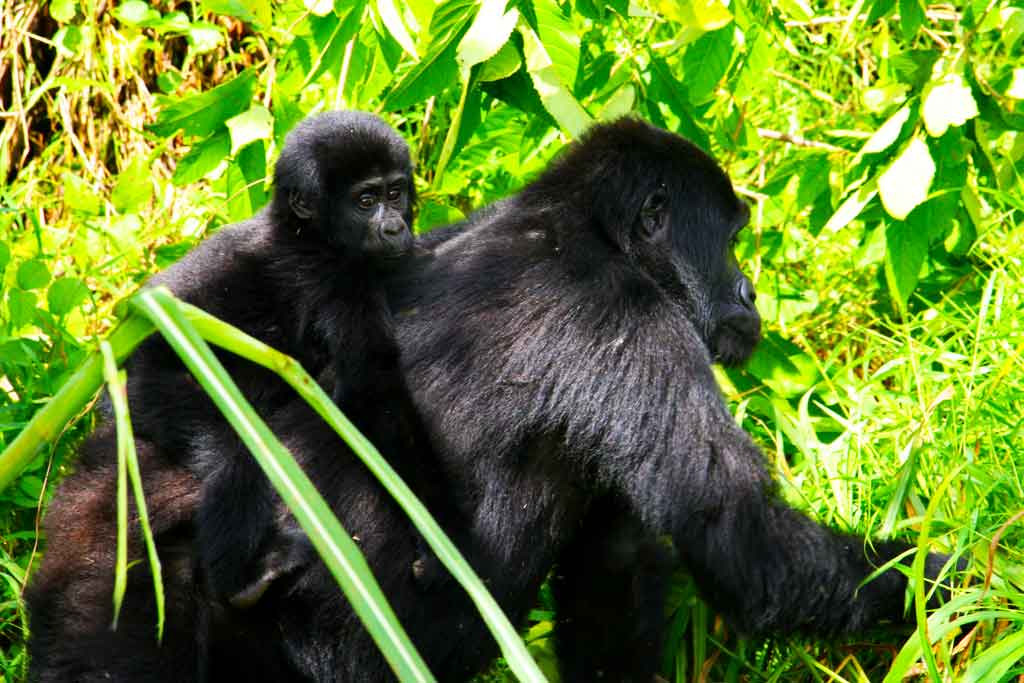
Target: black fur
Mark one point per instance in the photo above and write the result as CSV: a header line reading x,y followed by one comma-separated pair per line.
x,y
558,347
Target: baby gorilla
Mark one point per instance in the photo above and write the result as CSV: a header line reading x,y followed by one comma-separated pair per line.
x,y
304,276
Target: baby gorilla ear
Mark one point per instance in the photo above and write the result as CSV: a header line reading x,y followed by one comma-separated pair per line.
x,y
299,206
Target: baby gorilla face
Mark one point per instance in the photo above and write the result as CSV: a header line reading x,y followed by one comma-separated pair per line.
x,y
374,212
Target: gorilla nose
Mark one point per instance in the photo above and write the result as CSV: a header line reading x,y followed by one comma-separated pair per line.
x,y
392,228
746,293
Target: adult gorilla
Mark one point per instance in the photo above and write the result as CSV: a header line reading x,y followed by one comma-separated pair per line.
x,y
559,347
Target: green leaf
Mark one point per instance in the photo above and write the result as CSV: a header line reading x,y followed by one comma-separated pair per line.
x,y
993,663
65,294
201,115
33,274
488,34
246,177
256,12
502,65
888,133
705,64
62,10
202,158
560,40
204,37
134,186
392,21
5,256
557,99
320,8
905,183
22,307
168,81
79,196
619,104
438,70
135,13
906,249
911,18
797,9
703,15
782,366
256,123
332,34
851,207
945,102
68,40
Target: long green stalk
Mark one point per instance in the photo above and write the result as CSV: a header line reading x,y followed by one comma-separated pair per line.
x,y
336,547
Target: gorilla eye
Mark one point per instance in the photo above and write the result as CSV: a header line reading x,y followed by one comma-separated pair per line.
x,y
394,193
366,200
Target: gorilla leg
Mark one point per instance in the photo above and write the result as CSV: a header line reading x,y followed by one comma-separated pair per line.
x,y
610,585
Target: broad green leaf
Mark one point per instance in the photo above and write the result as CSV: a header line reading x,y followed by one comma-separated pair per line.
x,y
945,102
135,13
79,196
320,8
68,40
905,183
65,294
22,307
620,104
134,186
202,158
62,10
888,133
911,18
560,40
331,34
246,177
501,65
881,97
396,27
906,249
168,81
173,22
438,70
705,64
204,37
1016,87
253,11
1012,19
33,274
487,35
784,367
256,123
557,99
797,9
705,15
851,207
203,114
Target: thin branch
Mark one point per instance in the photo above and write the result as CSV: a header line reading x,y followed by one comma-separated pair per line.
x,y
798,140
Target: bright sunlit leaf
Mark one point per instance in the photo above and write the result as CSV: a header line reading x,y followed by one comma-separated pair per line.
x,y
947,102
905,183
488,33
257,123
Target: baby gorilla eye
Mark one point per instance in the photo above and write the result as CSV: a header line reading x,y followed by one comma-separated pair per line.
x,y
366,201
394,193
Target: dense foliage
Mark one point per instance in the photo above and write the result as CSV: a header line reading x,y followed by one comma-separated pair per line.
x,y
878,142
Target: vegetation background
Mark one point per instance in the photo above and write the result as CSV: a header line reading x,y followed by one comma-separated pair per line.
x,y
878,142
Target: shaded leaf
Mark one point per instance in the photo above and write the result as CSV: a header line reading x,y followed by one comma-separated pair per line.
x,y
705,64
906,249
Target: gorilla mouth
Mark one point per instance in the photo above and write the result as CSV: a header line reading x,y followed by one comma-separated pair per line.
x,y
735,339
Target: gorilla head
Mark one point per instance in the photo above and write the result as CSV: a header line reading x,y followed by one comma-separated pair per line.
x,y
347,175
668,207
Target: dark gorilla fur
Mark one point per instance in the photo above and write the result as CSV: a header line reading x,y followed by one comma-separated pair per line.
x,y
558,346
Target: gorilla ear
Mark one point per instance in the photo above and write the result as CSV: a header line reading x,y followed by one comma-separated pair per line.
x,y
298,205
654,214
